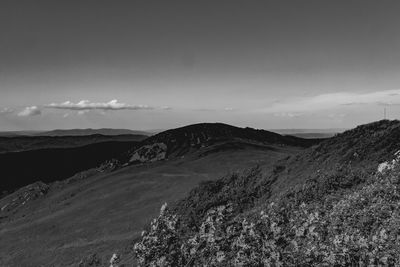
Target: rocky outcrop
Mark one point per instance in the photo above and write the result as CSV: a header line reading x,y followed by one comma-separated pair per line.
x,y
150,153
90,261
23,196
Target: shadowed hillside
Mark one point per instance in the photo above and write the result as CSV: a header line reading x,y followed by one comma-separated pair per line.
x,y
49,165
24,143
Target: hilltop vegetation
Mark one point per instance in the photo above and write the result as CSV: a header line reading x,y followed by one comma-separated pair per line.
x,y
328,206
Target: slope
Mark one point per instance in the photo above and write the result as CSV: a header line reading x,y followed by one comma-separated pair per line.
x,y
325,206
104,212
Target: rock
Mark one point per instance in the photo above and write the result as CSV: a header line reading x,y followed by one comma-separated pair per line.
x,y
89,261
389,165
150,153
23,196
115,259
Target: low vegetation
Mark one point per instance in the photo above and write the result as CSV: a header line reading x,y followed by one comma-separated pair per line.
x,y
346,215
346,218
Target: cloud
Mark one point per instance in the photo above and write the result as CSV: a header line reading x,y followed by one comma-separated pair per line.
x,y
4,111
354,103
205,109
337,115
30,111
226,109
388,103
332,101
87,105
288,114
394,94
82,112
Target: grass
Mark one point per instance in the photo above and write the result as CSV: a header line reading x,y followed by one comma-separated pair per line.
x,y
104,213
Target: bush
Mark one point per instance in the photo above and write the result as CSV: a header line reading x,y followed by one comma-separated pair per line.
x,y
345,218
161,246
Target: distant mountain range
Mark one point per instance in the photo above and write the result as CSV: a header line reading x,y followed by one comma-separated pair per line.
x,y
76,132
303,133
18,133
80,132
310,133
25,143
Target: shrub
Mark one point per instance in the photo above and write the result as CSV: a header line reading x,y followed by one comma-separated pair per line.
x,y
346,218
161,246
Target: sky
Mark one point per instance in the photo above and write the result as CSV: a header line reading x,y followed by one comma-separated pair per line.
x,y
162,64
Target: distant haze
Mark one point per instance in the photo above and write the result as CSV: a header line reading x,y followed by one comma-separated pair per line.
x,y
163,64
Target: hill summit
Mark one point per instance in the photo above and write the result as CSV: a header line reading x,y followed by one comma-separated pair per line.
x,y
209,136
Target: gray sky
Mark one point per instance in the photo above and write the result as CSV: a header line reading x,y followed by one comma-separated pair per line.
x,y
162,64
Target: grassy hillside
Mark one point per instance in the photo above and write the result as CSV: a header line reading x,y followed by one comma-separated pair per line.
x,y
327,206
104,212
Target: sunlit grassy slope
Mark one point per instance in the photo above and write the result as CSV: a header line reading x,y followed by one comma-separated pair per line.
x,y
106,212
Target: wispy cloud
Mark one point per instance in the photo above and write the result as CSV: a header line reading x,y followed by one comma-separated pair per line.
x,y
388,103
4,111
332,101
87,105
82,112
226,109
288,114
30,111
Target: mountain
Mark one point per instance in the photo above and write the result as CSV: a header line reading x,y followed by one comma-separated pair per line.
x,y
80,132
334,204
25,143
310,133
55,164
19,133
103,209
208,138
362,148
